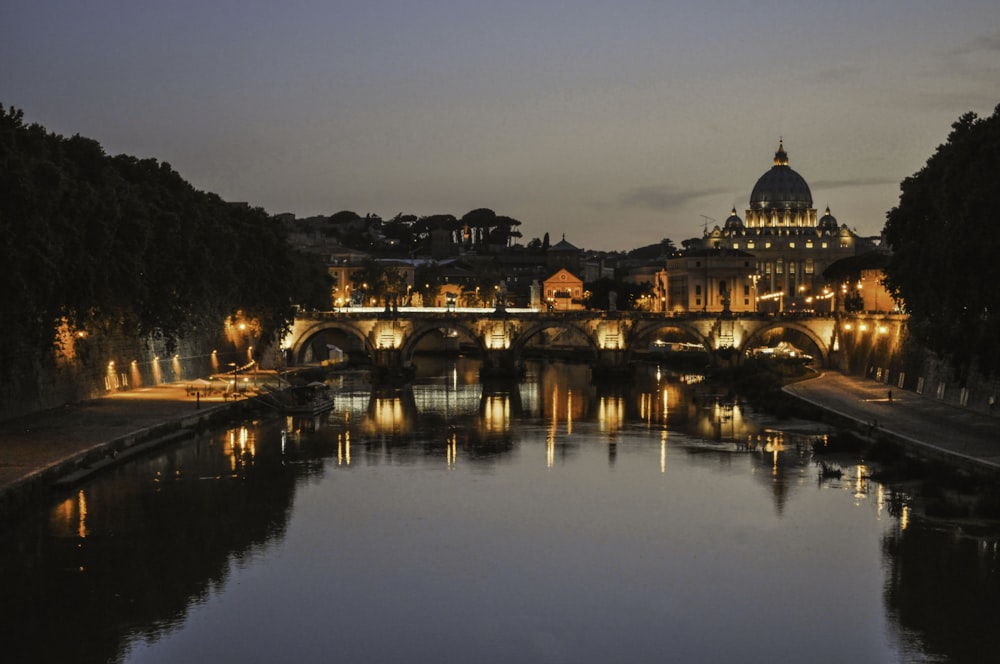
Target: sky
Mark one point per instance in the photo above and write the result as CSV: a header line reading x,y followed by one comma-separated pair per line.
x,y
614,123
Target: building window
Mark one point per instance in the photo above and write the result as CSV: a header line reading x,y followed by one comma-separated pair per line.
x,y
810,268
767,245
779,266
750,244
824,245
746,289
809,244
736,245
791,245
697,289
767,268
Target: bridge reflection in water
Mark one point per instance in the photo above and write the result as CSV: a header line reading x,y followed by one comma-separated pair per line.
x,y
442,506
554,399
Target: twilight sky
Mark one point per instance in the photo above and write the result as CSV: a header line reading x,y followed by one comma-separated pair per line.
x,y
618,123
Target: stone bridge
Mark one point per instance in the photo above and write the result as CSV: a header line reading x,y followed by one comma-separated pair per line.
x,y
611,340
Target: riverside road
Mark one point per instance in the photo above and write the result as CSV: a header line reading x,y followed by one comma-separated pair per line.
x,y
920,421
36,450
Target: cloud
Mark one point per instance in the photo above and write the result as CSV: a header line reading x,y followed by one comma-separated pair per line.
x,y
853,182
987,43
663,198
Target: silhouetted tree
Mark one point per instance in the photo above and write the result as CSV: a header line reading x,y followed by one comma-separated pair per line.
x,y
945,240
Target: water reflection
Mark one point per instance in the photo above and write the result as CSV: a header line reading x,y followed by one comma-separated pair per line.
x,y
669,472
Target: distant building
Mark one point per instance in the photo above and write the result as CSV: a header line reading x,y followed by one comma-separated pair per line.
x,y
563,255
563,291
790,246
711,280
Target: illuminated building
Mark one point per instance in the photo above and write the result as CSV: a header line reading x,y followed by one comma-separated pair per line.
x,y
791,247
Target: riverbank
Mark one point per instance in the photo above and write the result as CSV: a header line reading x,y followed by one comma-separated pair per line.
x,y
55,446
925,427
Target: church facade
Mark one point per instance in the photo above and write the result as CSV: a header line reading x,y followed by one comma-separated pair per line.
x,y
790,246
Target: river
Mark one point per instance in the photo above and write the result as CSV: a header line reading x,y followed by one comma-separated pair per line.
x,y
550,521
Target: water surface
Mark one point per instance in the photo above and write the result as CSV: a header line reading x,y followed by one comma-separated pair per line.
x,y
550,521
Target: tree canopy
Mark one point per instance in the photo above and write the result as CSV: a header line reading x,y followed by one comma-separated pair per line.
x,y
944,235
126,243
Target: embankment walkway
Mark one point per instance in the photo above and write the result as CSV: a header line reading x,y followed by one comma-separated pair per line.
x,y
928,424
36,450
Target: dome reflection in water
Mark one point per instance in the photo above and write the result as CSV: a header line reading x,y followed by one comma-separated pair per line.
x,y
550,520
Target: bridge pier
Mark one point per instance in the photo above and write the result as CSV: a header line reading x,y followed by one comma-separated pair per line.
x,y
501,364
389,367
611,364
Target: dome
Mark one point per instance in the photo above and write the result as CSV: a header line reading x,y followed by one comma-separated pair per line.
x,y
733,222
781,187
828,222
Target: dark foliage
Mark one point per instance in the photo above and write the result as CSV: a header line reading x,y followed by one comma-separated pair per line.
x,y
945,238
127,244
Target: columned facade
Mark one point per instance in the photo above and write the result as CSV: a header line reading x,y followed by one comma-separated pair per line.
x,y
790,246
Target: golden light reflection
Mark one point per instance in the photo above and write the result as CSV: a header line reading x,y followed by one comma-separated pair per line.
x,y
81,508
569,412
550,441
496,413
663,451
904,517
344,449
69,518
241,447
386,415
611,415
861,481
452,451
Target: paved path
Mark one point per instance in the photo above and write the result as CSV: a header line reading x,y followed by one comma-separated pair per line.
x,y
917,419
33,448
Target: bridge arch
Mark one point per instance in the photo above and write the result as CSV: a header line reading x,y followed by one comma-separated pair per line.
x,y
418,332
304,337
757,335
527,332
644,332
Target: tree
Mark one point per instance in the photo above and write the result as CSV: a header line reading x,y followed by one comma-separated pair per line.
x,y
127,245
628,294
945,239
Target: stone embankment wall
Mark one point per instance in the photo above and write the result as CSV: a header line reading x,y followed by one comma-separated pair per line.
x,y
88,366
893,359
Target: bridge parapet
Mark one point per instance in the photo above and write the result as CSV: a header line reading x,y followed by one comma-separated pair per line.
x,y
504,334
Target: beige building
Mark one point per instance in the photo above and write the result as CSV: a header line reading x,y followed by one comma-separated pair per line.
x,y
563,291
711,280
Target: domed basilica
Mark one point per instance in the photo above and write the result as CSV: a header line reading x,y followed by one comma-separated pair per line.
x,y
789,248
